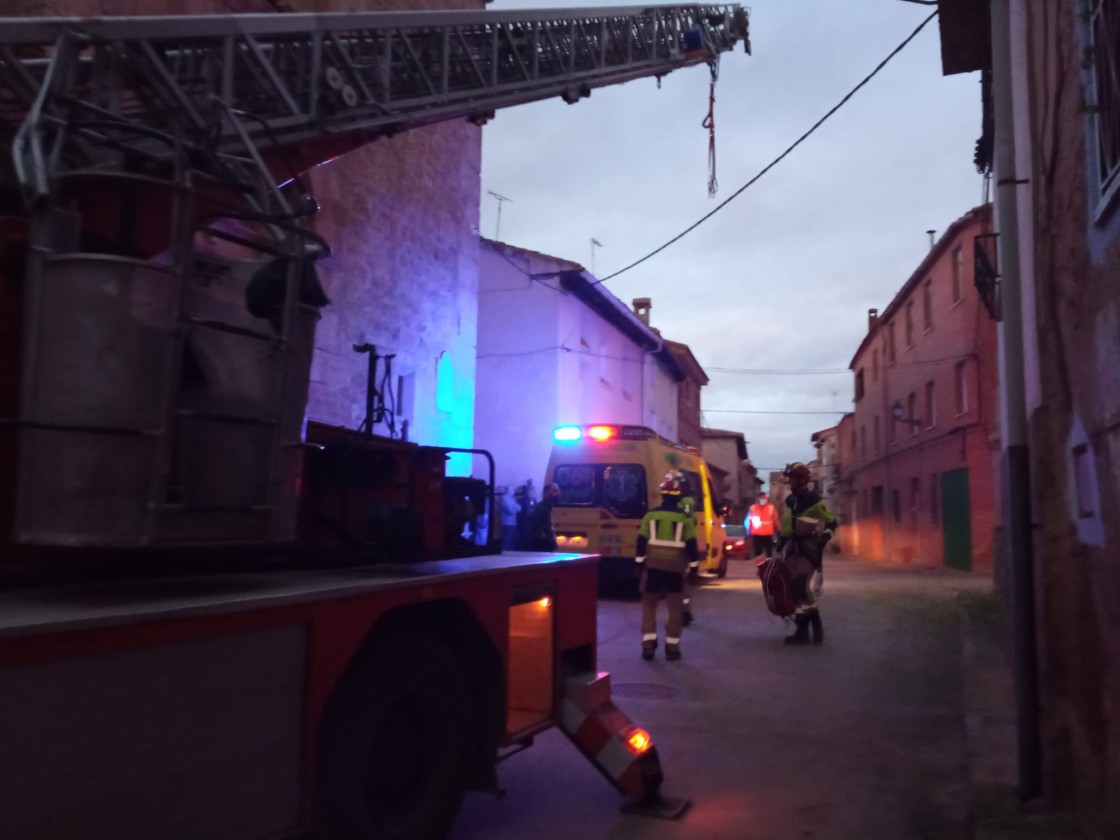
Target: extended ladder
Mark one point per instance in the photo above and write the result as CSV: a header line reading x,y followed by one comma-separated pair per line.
x,y
93,92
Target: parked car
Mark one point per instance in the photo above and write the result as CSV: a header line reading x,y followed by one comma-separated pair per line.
x,y
735,546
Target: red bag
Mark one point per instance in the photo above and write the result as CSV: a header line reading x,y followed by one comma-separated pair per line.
x,y
777,587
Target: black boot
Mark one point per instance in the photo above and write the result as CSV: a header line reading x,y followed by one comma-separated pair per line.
x,y
648,649
818,628
801,634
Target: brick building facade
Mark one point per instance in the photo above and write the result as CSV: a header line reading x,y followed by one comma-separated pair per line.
x,y
920,465
1051,143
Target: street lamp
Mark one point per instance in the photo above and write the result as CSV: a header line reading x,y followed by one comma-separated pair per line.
x,y
896,414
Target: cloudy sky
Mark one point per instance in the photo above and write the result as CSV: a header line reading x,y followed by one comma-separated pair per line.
x,y
782,277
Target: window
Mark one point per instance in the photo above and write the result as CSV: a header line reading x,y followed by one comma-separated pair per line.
x,y
890,342
1083,476
960,373
934,499
875,365
958,275
927,306
624,490
910,324
1104,35
912,413
896,505
859,385
620,488
853,442
577,484
915,497
877,500
892,433
875,434
863,442
929,405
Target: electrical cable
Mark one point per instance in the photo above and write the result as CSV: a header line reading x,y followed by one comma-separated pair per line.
x,y
759,411
779,158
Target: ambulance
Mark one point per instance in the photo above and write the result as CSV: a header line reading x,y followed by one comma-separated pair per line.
x,y
609,475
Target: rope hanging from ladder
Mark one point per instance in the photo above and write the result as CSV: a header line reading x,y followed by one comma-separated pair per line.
x,y
710,124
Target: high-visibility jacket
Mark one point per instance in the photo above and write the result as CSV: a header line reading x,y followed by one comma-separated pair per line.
x,y
762,519
667,540
807,504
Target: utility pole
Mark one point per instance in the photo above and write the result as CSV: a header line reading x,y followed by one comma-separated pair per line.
x,y
501,200
595,243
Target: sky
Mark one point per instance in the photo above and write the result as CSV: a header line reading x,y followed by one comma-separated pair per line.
x,y
782,277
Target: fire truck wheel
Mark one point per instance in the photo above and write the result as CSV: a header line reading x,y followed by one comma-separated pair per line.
x,y
396,744
722,570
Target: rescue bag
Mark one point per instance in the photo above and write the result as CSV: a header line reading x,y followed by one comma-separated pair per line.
x,y
777,585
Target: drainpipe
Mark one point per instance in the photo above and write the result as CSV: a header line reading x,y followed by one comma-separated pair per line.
x,y
1016,462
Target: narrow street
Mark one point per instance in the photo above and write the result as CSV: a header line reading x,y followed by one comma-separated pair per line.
x,y
900,726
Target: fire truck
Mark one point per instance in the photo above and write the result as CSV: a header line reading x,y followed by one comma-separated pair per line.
x,y
218,618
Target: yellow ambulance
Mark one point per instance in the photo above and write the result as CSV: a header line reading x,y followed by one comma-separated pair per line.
x,y
609,477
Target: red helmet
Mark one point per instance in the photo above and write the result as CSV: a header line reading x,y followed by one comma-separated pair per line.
x,y
672,484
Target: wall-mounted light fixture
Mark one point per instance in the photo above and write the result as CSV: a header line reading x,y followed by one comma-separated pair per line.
x,y
896,415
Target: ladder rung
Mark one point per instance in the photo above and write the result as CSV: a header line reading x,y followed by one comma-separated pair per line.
x,y
222,326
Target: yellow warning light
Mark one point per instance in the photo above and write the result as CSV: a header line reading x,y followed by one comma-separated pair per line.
x,y
545,602
639,741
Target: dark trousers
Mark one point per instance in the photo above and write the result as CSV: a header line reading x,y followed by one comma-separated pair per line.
x,y
762,544
655,585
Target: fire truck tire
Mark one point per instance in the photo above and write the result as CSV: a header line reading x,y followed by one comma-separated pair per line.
x,y
395,744
722,570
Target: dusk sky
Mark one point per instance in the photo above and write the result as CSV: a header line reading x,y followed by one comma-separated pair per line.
x,y
782,277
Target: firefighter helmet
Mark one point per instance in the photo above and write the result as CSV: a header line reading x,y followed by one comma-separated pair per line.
x,y
797,468
672,484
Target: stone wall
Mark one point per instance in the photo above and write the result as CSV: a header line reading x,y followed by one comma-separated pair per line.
x,y
1077,546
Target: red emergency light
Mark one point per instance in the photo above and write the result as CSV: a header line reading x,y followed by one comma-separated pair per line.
x,y
602,433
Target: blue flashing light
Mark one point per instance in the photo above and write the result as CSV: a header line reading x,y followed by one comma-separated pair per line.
x,y
567,434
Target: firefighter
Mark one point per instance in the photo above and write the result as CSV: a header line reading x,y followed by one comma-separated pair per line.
x,y
666,547
807,526
761,519
541,533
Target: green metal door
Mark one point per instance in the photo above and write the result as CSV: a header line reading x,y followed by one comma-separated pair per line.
x,y
956,520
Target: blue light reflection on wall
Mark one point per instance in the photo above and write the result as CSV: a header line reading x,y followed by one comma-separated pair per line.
x,y
455,415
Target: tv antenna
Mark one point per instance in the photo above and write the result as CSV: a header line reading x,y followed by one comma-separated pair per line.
x,y
595,243
501,200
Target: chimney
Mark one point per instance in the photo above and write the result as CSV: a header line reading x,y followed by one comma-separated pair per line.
x,y
932,238
642,306
872,319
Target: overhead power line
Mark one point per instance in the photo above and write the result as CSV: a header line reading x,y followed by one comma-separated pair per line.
x,y
754,411
775,370
780,157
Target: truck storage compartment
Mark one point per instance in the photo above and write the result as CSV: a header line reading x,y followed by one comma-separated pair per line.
x,y
154,412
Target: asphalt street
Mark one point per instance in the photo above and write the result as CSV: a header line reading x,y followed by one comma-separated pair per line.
x,y
899,726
